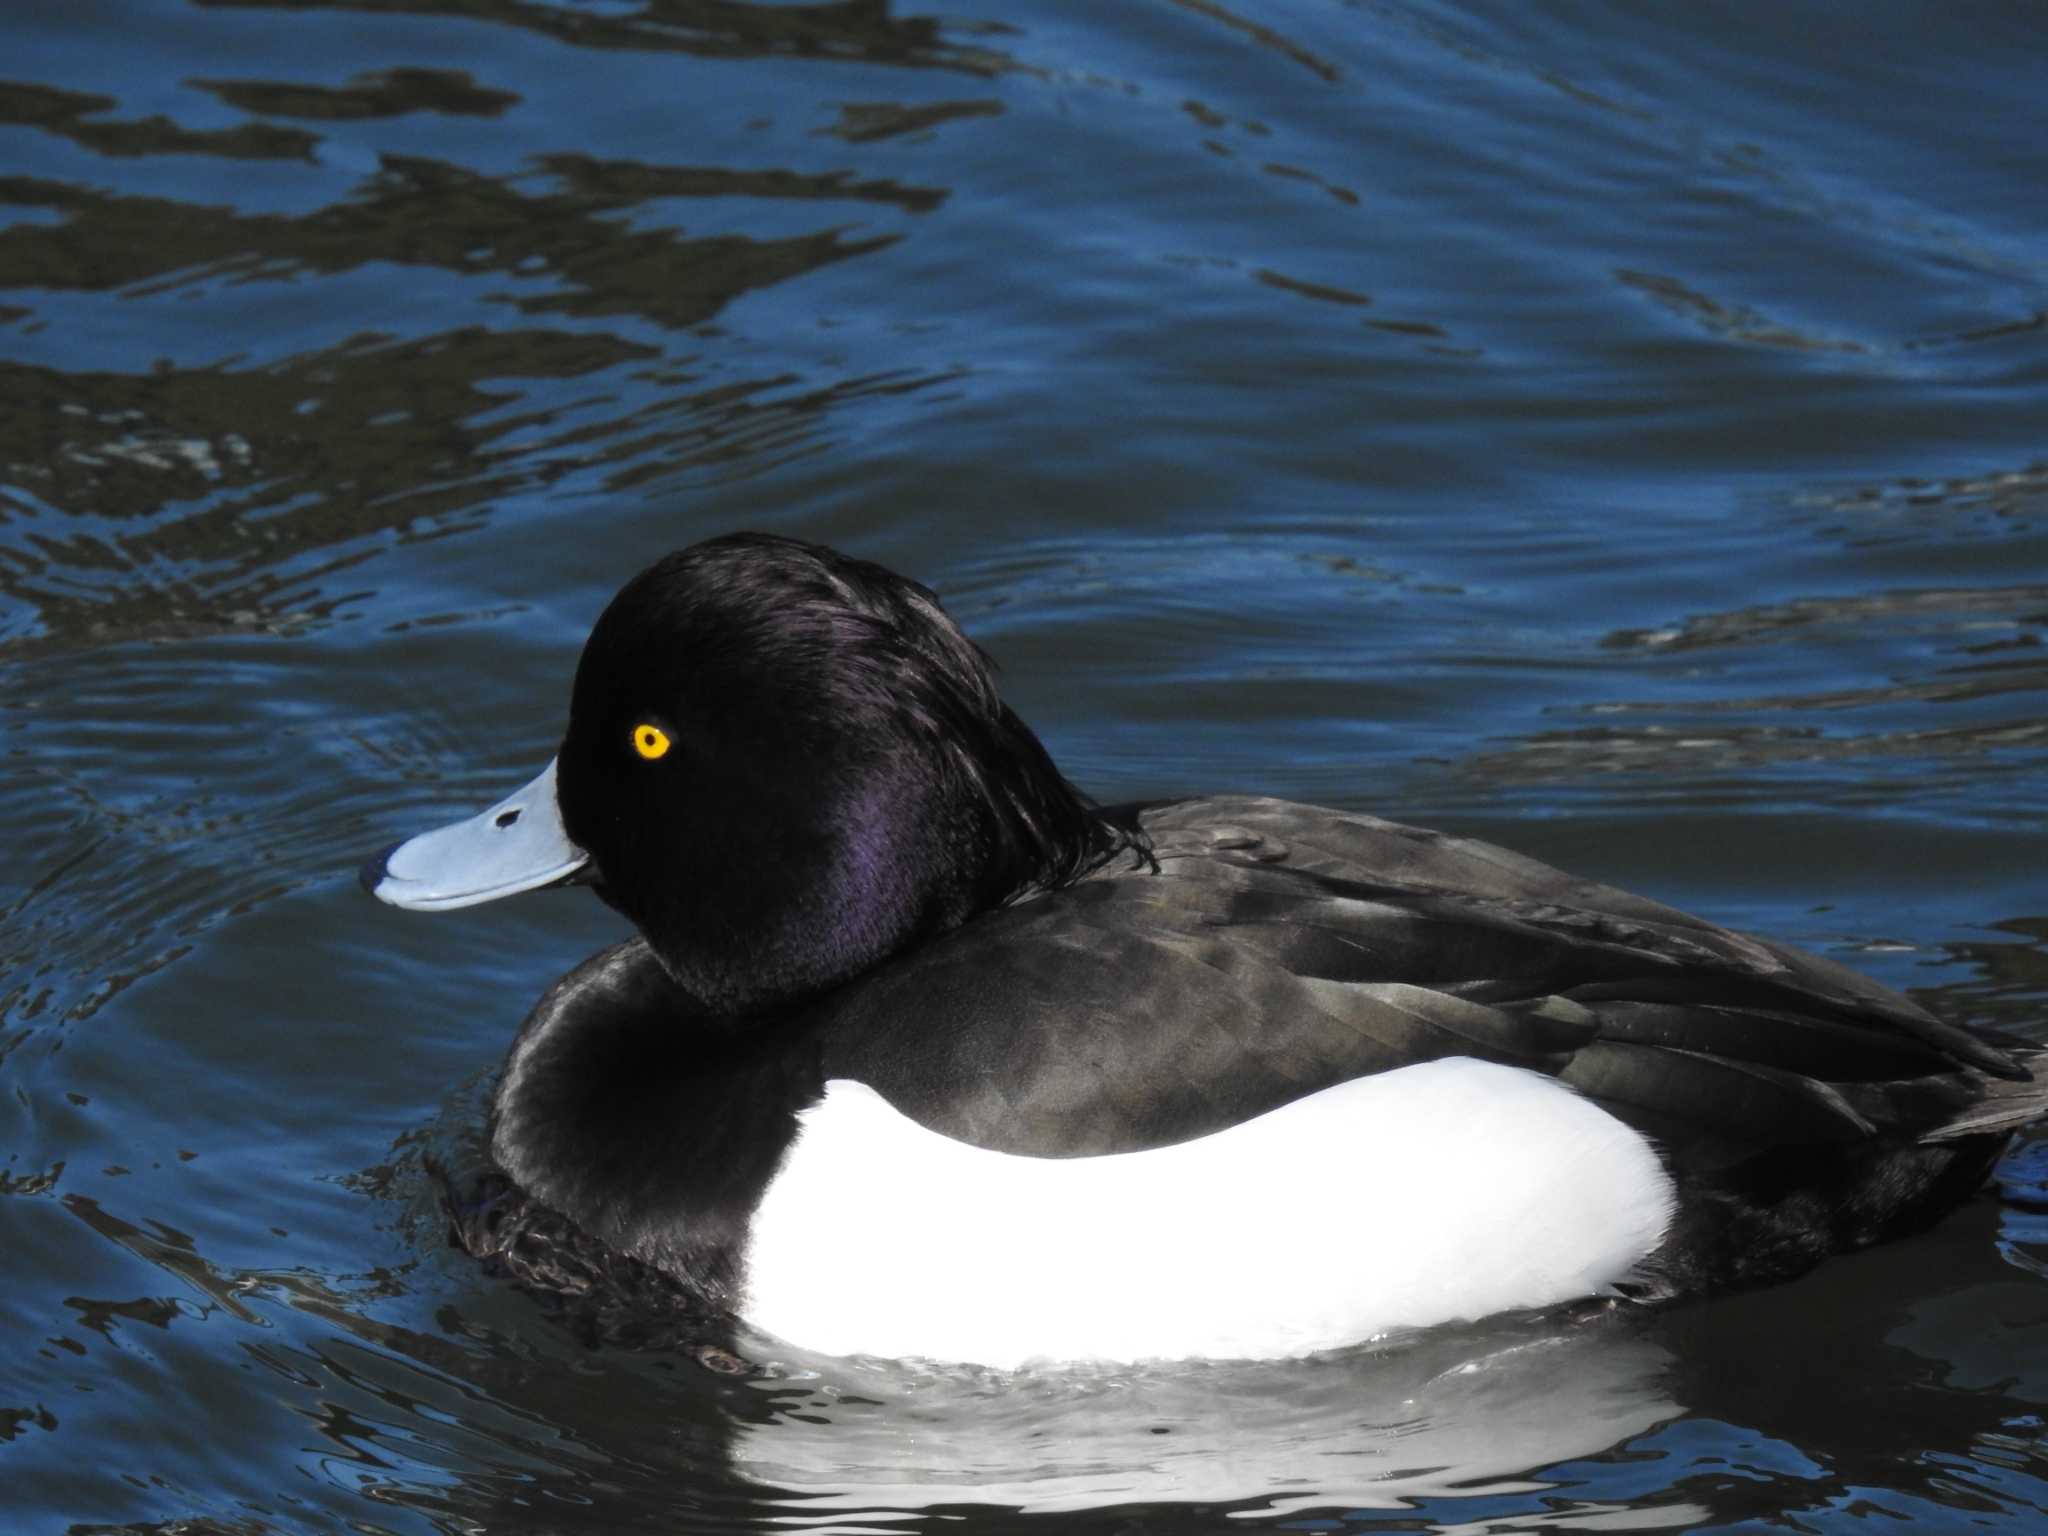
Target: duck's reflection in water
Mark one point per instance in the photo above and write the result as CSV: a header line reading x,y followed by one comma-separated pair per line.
x,y
1465,1411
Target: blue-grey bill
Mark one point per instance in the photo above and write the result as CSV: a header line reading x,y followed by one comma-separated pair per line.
x,y
517,845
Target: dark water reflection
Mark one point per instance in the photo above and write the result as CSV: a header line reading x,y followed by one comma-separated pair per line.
x,y
1616,432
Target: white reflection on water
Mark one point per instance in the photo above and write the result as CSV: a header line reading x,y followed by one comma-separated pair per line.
x,y
1463,1412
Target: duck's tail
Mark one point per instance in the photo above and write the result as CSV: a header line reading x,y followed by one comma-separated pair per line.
x,y
2005,1106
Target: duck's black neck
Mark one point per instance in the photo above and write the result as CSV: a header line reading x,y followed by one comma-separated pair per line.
x,y
1047,834
651,1124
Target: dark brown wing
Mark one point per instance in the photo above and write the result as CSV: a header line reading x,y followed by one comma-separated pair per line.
x,y
1274,949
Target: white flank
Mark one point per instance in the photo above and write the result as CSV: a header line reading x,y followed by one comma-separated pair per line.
x,y
1451,1189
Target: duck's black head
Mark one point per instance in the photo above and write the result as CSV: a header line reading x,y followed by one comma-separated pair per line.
x,y
784,766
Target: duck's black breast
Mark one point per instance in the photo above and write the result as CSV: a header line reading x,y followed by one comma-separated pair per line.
x,y
1269,949
649,1124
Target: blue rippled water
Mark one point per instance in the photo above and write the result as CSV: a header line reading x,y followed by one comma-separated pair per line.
x,y
1619,431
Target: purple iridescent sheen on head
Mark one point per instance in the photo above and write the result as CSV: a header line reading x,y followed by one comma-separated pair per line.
x,y
844,779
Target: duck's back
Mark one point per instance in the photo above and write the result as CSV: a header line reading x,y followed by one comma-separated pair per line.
x,y
1267,950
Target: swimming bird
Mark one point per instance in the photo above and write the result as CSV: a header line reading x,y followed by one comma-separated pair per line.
x,y
918,1052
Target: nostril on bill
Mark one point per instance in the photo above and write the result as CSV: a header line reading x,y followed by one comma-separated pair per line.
x,y
506,818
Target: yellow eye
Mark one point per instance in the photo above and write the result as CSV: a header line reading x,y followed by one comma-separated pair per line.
x,y
650,741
